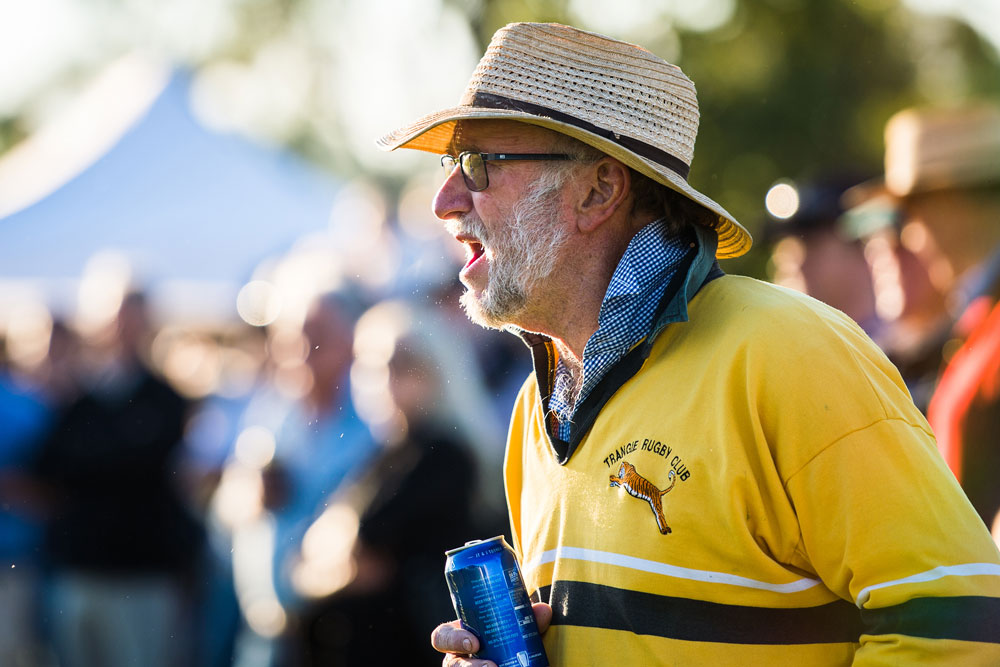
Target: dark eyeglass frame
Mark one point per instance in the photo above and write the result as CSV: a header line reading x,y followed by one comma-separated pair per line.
x,y
473,165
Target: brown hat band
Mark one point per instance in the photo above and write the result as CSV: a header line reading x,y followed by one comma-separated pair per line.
x,y
658,155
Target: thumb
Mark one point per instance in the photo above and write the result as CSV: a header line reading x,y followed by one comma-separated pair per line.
x,y
543,615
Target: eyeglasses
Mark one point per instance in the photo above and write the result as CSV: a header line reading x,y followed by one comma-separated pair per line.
x,y
474,165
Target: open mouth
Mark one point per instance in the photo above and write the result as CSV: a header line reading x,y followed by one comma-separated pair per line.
x,y
474,250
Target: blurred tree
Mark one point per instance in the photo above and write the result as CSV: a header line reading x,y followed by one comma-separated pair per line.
x,y
801,89
791,88
787,87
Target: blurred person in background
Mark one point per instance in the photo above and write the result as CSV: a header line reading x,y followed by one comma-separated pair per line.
x,y
907,303
810,518
421,389
209,442
942,173
32,393
23,420
300,438
813,255
502,365
120,542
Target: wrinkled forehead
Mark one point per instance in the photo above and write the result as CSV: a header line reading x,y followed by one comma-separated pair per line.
x,y
490,135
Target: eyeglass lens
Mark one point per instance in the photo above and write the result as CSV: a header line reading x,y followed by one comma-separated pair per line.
x,y
474,171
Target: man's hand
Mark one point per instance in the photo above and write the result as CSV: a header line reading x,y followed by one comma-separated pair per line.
x,y
458,644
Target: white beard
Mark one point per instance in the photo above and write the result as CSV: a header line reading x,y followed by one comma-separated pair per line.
x,y
523,254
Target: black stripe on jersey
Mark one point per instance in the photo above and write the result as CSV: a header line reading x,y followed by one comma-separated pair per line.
x,y
596,606
968,618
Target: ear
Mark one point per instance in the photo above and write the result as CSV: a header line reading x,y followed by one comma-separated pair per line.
x,y
606,188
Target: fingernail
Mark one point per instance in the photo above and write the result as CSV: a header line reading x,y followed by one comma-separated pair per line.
x,y
467,645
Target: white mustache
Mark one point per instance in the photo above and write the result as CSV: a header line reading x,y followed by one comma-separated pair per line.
x,y
468,225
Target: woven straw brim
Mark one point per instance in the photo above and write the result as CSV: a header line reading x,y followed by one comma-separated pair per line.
x,y
434,133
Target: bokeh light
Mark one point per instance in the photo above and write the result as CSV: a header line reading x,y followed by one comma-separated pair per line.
x,y
782,200
327,564
191,362
255,446
27,334
106,278
258,303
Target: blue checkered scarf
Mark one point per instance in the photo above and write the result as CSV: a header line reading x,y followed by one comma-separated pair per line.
x,y
627,312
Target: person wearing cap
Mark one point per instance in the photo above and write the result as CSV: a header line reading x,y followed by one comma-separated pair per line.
x,y
942,173
811,253
703,468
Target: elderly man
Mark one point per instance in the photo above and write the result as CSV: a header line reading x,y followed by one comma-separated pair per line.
x,y
703,468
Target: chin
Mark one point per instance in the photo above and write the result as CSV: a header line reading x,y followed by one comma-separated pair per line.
x,y
483,310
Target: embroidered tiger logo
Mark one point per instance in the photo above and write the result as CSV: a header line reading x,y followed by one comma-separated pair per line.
x,y
638,486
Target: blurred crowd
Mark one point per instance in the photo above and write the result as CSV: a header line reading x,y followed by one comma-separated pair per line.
x,y
299,520
293,523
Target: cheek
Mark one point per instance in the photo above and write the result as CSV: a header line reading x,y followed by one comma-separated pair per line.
x,y
494,207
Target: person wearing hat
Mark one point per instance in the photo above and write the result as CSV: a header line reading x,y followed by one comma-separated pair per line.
x,y
942,172
703,468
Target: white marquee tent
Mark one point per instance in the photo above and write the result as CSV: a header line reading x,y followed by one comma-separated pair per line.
x,y
129,170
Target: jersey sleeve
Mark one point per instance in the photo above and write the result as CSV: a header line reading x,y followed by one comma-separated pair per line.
x,y
882,520
885,525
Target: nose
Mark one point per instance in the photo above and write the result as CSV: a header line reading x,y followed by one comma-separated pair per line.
x,y
453,198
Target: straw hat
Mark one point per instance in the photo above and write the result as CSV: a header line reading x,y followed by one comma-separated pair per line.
x,y
614,96
936,149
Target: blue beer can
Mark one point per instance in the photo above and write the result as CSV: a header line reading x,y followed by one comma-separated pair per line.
x,y
490,599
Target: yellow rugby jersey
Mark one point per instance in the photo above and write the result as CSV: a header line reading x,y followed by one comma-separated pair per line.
x,y
760,490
